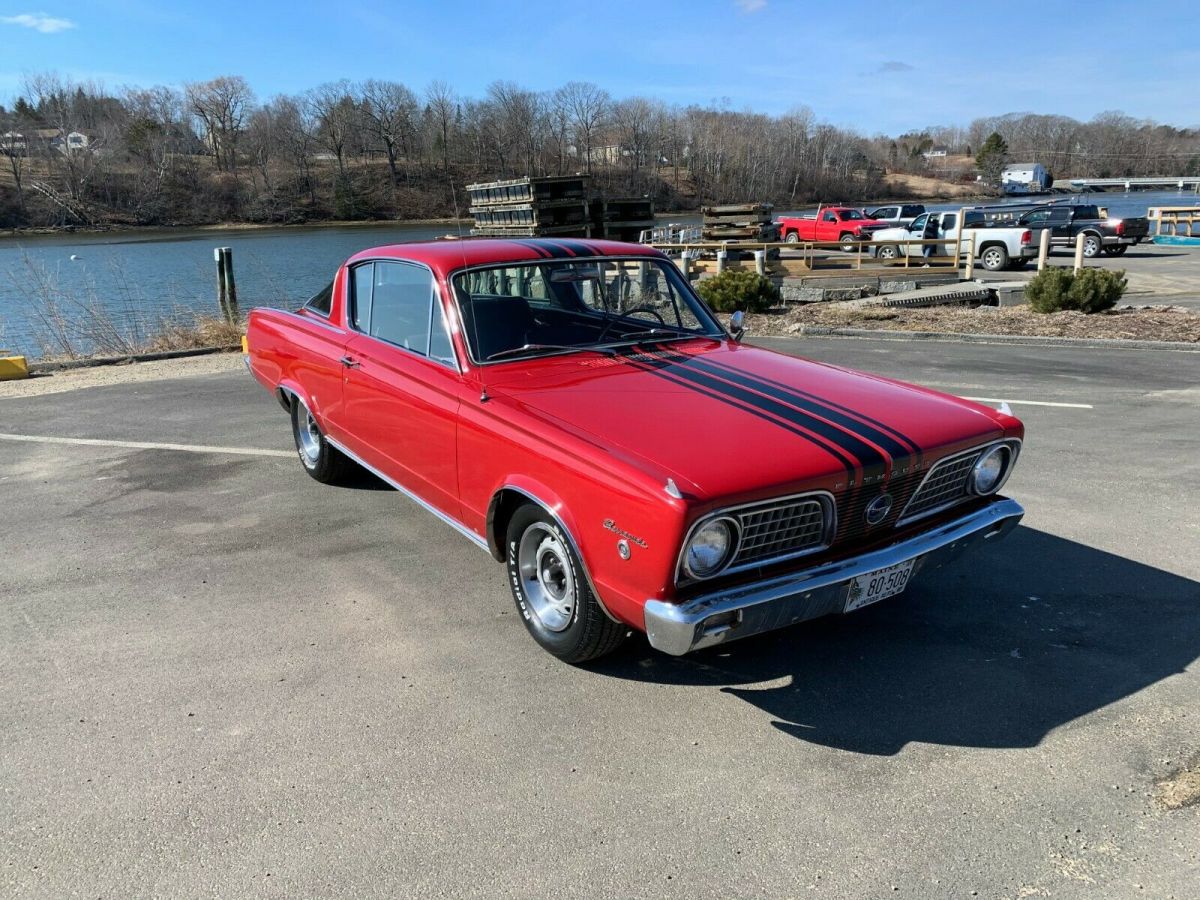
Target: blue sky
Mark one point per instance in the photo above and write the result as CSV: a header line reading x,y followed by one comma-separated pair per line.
x,y
871,66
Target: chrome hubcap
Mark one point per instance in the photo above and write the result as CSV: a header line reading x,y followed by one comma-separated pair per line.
x,y
546,577
309,437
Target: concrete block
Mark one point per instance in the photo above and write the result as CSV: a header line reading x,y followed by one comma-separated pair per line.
x,y
1011,296
13,367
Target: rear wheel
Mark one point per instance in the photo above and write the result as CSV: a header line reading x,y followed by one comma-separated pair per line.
x,y
552,591
791,238
1092,245
994,258
1116,249
320,459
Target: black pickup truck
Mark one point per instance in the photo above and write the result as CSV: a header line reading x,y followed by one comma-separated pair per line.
x,y
1101,234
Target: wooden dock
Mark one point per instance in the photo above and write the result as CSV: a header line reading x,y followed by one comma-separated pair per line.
x,y
1162,183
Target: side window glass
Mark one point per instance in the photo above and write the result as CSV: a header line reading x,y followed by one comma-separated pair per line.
x,y
440,347
362,278
401,301
949,221
829,217
322,300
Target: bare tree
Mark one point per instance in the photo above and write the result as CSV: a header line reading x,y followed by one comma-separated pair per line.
x,y
221,106
390,110
589,106
443,104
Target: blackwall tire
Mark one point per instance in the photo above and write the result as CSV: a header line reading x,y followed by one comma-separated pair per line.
x,y
1093,246
888,252
994,258
552,591
320,459
792,238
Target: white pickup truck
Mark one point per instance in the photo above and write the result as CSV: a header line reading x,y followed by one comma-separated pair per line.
x,y
995,248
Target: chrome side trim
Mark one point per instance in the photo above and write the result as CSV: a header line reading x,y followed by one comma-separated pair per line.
x,y
827,501
570,538
727,615
453,523
1013,443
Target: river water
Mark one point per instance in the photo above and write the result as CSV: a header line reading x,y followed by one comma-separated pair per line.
x,y
137,279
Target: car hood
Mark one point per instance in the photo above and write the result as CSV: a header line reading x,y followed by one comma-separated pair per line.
x,y
733,421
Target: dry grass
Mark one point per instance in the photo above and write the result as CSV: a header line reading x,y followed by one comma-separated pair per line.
x,y
1181,789
1153,323
203,331
924,186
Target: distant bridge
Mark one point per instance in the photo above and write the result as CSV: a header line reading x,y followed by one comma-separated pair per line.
x,y
1166,182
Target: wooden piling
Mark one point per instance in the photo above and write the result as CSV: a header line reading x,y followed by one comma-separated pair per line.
x,y
970,254
231,300
219,256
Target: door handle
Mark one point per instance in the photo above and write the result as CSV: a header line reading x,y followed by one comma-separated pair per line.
x,y
350,362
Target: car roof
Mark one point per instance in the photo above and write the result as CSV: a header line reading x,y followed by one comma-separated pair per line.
x,y
446,256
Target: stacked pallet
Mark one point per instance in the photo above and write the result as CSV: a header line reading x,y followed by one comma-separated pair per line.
x,y
740,222
529,207
622,218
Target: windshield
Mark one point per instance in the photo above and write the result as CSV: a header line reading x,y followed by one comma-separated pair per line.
x,y
518,310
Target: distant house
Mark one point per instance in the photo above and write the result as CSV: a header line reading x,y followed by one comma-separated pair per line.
x,y
938,152
12,143
1024,178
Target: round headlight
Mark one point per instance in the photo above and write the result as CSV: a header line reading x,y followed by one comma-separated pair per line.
x,y
710,548
990,469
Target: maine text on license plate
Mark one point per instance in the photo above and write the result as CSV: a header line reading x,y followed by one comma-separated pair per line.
x,y
875,586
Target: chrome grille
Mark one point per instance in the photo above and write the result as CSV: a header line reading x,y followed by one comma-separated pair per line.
x,y
945,485
780,529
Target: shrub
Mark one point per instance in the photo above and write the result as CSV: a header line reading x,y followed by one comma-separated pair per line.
x,y
1091,291
736,289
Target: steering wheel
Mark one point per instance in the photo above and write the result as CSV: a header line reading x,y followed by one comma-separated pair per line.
x,y
645,309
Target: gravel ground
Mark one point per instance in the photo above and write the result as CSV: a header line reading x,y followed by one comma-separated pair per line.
x,y
1148,323
72,379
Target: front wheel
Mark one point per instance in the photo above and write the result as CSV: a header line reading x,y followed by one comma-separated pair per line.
x,y
319,458
848,241
887,252
994,258
552,591
1092,246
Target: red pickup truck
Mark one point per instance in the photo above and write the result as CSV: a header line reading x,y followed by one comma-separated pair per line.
x,y
842,224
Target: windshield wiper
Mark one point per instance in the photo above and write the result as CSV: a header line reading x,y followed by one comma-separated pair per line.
x,y
660,334
538,348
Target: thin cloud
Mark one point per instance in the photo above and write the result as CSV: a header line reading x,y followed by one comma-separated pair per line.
x,y
894,65
751,6
39,22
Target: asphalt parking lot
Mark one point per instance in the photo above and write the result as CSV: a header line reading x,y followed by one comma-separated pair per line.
x,y
220,678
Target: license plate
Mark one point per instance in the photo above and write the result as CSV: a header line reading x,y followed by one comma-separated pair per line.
x,y
878,585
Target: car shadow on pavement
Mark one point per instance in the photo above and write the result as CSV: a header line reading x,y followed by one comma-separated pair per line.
x,y
994,650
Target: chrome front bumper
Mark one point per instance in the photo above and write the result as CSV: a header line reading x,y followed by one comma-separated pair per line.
x,y
722,616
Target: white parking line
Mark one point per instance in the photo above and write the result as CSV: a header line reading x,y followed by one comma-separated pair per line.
x,y
1031,402
144,445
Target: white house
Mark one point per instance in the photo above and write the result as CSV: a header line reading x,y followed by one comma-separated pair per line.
x,y
938,152
1024,178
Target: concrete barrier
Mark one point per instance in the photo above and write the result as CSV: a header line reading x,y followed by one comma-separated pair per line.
x,y
13,367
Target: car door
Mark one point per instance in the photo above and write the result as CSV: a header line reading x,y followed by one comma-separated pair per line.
x,y
948,229
1060,226
915,231
828,227
402,383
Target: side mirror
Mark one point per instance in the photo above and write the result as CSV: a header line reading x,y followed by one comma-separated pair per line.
x,y
737,325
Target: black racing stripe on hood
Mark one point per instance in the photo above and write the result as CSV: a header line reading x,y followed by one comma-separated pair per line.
x,y
656,369
897,445
868,457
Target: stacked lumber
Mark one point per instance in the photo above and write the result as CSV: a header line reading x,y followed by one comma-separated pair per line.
x,y
529,207
740,222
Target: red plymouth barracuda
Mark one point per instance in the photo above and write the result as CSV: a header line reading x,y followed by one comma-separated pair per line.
x,y
575,409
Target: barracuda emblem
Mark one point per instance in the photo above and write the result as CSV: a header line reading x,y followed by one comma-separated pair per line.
x,y
878,509
612,526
